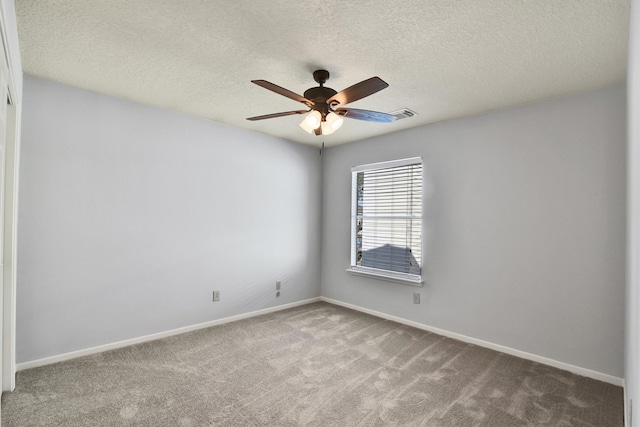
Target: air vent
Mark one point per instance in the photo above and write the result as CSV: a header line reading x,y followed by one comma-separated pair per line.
x,y
403,113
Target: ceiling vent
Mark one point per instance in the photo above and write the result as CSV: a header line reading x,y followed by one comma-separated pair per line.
x,y
403,113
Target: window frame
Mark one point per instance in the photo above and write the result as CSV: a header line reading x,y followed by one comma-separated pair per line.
x,y
399,277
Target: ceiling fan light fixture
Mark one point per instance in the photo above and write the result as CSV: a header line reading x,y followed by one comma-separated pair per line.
x,y
312,121
331,124
326,130
334,121
306,128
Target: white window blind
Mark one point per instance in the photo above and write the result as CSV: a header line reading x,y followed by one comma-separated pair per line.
x,y
386,228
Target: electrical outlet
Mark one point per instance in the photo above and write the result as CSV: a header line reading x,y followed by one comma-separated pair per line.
x,y
278,284
216,296
277,294
416,298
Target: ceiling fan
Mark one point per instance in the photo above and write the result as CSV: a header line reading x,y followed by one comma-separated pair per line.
x,y
325,104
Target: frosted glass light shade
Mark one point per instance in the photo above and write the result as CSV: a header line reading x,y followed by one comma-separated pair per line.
x,y
331,124
312,121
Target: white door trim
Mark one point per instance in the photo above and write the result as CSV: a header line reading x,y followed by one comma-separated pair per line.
x,y
8,33
12,156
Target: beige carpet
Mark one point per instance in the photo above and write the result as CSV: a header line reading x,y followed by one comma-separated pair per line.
x,y
315,365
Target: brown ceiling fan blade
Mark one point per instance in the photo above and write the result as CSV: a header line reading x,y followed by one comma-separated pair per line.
x,y
366,115
282,91
358,91
271,116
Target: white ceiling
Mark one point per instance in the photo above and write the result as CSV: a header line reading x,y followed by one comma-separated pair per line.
x,y
443,59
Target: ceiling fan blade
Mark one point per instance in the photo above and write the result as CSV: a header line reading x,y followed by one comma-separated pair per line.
x,y
358,91
271,116
282,91
367,115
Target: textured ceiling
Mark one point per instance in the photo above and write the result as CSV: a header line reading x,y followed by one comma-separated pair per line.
x,y
442,59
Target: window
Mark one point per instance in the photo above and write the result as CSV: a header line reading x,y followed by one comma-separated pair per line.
x,y
386,220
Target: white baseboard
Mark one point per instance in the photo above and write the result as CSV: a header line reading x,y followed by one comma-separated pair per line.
x,y
152,337
522,354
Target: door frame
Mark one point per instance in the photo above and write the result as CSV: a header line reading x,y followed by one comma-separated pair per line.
x,y
9,36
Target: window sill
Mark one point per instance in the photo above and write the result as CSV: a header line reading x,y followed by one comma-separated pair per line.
x,y
405,279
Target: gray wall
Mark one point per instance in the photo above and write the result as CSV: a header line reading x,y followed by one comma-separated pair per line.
x,y
525,228
131,216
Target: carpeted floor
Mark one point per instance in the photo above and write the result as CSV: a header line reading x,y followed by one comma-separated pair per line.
x,y
315,365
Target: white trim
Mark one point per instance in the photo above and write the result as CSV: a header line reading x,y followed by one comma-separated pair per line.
x,y
387,164
10,225
513,352
11,50
406,279
12,55
524,355
146,338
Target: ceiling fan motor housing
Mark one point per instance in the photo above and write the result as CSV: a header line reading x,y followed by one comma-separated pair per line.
x,y
319,96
